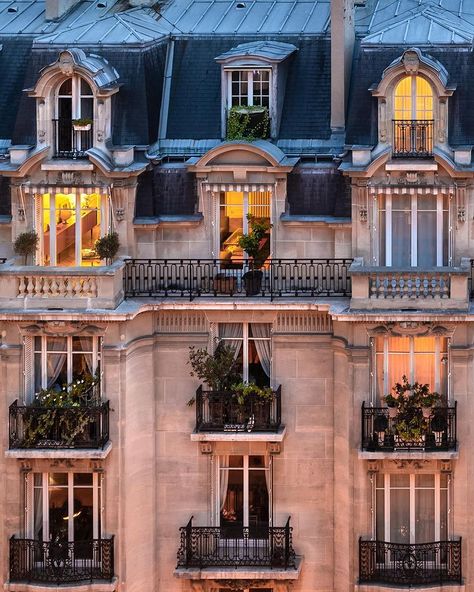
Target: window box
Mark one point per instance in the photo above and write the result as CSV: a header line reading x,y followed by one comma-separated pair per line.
x,y
248,123
81,127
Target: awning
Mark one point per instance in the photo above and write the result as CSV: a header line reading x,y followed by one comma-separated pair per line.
x,y
410,190
55,189
216,187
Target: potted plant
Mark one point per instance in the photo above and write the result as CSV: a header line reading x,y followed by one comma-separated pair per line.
x,y
252,400
83,124
108,246
392,404
428,400
248,122
251,244
26,244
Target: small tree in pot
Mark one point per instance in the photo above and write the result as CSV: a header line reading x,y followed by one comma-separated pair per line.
x,y
251,244
26,244
108,246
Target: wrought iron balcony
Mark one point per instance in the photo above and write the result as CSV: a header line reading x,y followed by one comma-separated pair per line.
x,y
86,426
70,142
412,138
60,562
410,565
221,412
383,433
178,278
214,546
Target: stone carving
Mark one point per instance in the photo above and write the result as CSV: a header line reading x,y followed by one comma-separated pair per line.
x,y
411,62
66,63
61,328
411,328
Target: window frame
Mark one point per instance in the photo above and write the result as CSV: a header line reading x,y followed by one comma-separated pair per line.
x,y
76,96
250,85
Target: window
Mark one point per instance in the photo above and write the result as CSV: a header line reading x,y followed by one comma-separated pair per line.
x,y
234,207
411,508
69,225
413,230
244,494
252,345
421,359
74,100
60,360
249,87
413,117
64,507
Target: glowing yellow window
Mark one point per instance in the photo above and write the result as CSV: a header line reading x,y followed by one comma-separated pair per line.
x,y
413,117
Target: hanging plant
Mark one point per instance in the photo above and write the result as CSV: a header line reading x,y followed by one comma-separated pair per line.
x,y
248,123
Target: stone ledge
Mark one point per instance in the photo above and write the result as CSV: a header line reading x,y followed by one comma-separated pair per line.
x,y
66,453
240,573
390,588
239,436
409,454
79,587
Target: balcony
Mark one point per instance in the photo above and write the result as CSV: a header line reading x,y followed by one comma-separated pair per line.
x,y
412,138
221,413
191,278
401,564
69,141
381,433
58,288
60,562
410,288
242,547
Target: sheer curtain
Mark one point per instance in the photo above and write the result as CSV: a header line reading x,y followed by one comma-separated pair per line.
x,y
232,335
86,347
55,362
223,480
263,344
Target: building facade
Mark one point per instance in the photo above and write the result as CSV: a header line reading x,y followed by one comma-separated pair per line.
x,y
343,128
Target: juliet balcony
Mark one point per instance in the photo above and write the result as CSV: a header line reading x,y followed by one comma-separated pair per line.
x,y
61,562
72,140
401,564
412,138
384,432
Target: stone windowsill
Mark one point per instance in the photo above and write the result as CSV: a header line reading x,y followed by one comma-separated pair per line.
x,y
239,436
63,453
240,573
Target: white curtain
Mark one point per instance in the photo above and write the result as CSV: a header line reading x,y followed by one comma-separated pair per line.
x,y
55,362
223,480
86,346
263,344
232,335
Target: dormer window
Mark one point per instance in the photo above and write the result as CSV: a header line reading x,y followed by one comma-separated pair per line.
x,y
413,117
74,118
249,88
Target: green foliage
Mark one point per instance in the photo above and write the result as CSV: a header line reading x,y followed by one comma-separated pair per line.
x,y
250,242
82,121
217,370
26,244
49,409
244,391
248,123
108,246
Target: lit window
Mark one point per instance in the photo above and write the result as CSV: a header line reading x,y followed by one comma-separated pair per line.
x,y
252,345
249,88
74,101
413,117
411,508
69,226
420,359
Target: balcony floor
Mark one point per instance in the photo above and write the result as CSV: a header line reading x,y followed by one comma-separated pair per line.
x,y
95,586
69,453
243,573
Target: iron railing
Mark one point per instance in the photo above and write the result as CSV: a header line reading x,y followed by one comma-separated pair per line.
x,y
86,426
380,431
178,278
221,412
70,142
258,546
470,280
61,562
410,565
412,138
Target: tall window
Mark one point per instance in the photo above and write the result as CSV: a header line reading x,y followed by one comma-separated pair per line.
x,y
74,100
421,359
234,207
413,117
249,87
69,225
412,508
244,494
252,345
64,507
60,360
413,230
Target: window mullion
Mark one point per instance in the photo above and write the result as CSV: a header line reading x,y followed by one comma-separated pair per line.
x,y
245,352
45,500
388,230
414,230
439,230
412,359
386,353
387,505
246,489
437,369
44,361
69,359
95,506
250,88
52,229
413,97
70,500
412,509
78,248
437,507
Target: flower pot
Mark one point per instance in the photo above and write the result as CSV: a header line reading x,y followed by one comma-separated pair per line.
x,y
82,128
426,412
392,412
253,282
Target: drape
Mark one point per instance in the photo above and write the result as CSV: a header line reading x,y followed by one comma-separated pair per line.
x,y
223,480
38,508
86,346
261,331
232,334
55,362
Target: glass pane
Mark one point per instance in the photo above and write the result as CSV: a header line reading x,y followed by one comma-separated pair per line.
x,y
232,502
38,373
258,502
401,238
38,510
443,519
46,238
85,88
58,507
83,479
90,228
425,481
66,87
83,518
259,366
380,517
426,238
231,227
87,108
57,478
256,461
424,344
424,515
56,370
402,480
403,99
236,461
66,229
82,344
425,369
399,515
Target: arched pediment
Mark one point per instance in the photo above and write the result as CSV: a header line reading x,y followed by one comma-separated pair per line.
x,y
255,154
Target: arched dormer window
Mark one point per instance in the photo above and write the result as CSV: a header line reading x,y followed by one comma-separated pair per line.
x,y
74,118
413,117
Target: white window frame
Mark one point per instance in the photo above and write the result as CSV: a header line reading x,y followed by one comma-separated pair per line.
x,y
75,95
246,469
245,347
98,512
412,376
250,94
437,506
414,229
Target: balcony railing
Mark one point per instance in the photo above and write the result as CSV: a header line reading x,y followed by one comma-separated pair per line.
x,y
214,546
178,278
221,412
54,427
412,138
60,562
380,433
410,565
70,142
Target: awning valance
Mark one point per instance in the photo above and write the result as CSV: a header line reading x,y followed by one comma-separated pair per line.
x,y
247,187
410,190
64,189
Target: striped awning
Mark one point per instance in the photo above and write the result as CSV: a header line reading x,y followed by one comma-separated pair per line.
x,y
64,189
216,187
412,190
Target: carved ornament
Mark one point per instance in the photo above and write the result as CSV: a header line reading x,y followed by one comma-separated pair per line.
x,y
61,328
408,328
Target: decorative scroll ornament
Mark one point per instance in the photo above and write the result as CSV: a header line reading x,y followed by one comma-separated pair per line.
x,y
415,328
61,328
